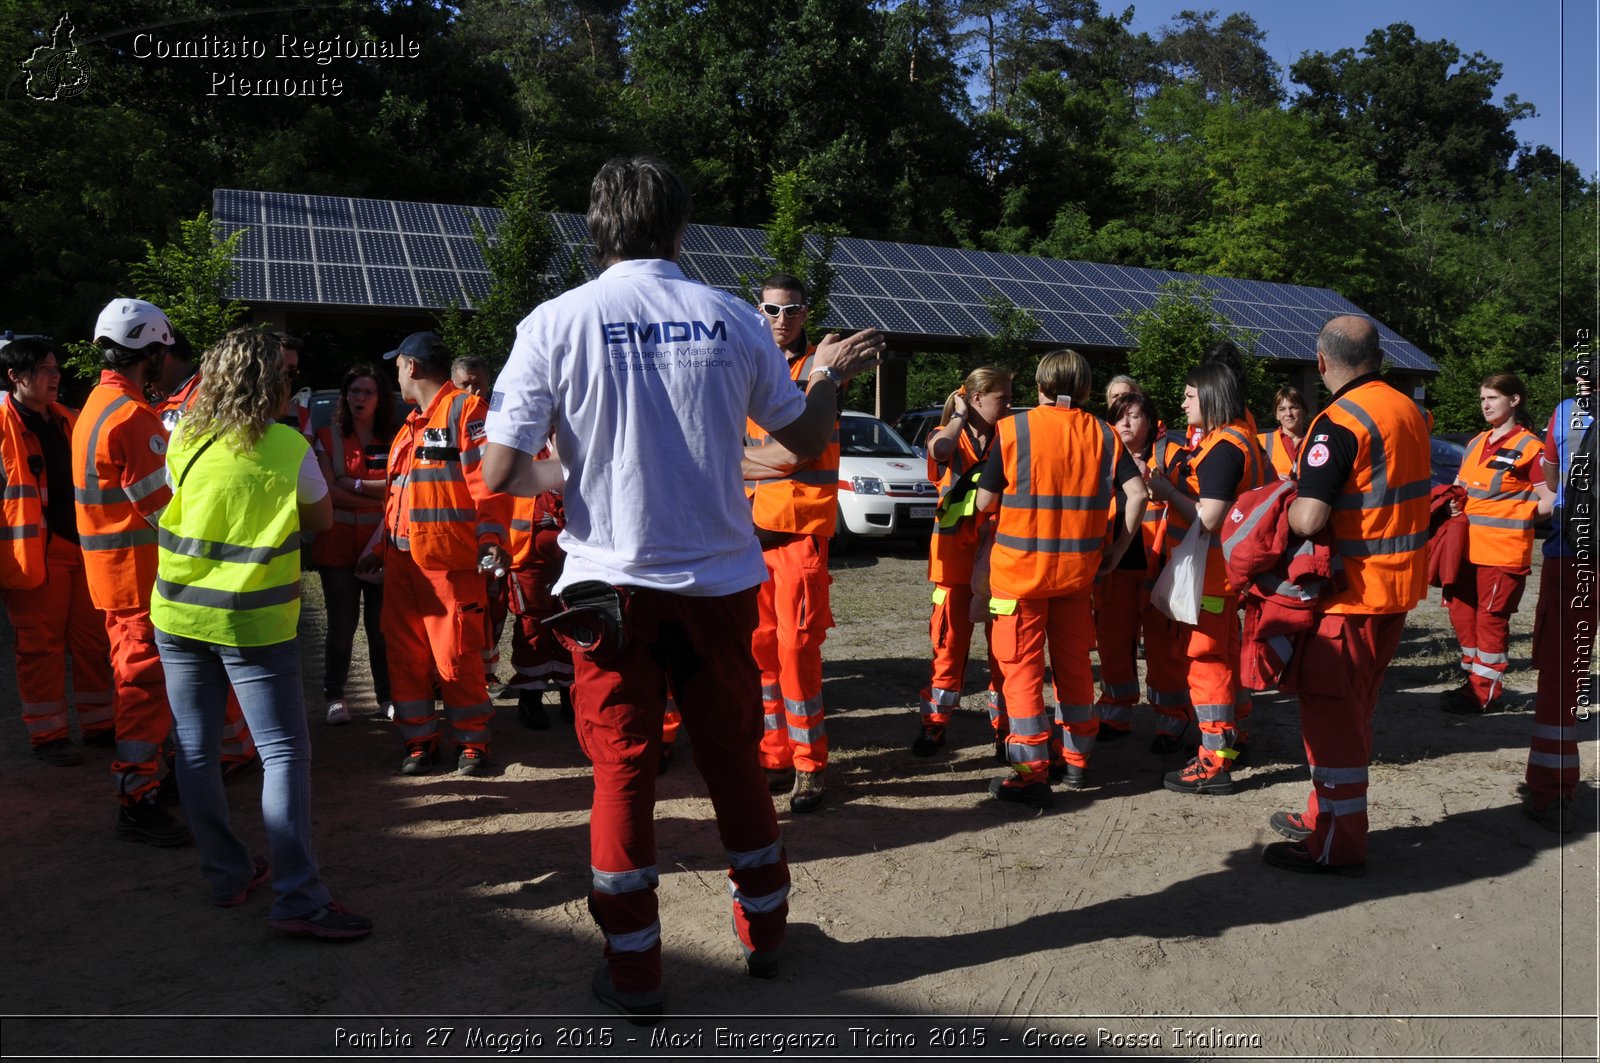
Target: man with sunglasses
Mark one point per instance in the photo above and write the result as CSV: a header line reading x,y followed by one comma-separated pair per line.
x,y
795,505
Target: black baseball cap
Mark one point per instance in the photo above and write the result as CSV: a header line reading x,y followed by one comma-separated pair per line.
x,y
424,347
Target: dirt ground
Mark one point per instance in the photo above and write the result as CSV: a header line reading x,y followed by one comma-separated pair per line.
x,y
926,919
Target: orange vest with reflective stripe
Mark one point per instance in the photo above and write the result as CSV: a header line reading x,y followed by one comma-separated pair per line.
x,y
1057,508
1380,519
806,501
436,485
341,545
1238,434
1501,506
119,475
953,549
528,515
23,495
1155,530
1275,445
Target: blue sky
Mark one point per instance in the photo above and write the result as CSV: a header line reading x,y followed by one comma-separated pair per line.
x,y
1529,39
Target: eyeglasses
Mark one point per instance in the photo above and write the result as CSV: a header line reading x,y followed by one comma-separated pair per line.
x,y
786,309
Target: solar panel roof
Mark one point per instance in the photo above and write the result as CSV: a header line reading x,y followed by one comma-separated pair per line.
x,y
333,251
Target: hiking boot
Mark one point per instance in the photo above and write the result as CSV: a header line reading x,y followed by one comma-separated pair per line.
x,y
1073,777
106,739
1108,733
530,710
640,1008
1558,815
809,790
1292,856
1200,776
930,741
1166,745
1017,792
471,762
419,757
59,752
259,875
338,713
146,821
779,780
332,921
1290,825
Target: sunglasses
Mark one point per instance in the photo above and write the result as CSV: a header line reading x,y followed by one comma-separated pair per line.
x,y
786,309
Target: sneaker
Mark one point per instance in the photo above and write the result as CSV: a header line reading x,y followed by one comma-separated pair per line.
x,y
530,710
261,873
495,687
1292,856
419,757
59,752
1199,777
106,739
641,1008
338,713
471,762
1558,815
333,921
930,741
1290,825
146,821
779,780
809,790
1033,794
1166,745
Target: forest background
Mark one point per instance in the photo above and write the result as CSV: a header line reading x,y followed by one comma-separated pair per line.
x,y
1388,173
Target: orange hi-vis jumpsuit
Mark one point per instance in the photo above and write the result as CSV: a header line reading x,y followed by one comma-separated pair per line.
x,y
1213,645
1122,611
1380,531
119,478
1281,452
237,745
951,554
540,660
1054,525
435,600
1501,509
795,516
46,594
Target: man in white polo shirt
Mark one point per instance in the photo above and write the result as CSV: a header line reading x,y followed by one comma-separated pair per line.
x,y
648,378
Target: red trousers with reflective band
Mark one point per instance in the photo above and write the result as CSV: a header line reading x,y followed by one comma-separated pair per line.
x,y
950,629
143,716
1563,639
1064,626
539,659
701,648
434,625
1122,610
1166,662
52,621
1212,648
1482,601
793,622
1341,673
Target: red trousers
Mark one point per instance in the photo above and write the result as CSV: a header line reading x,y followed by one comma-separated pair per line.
x,y
1563,639
1122,611
1212,648
1066,627
434,625
1166,665
951,631
701,647
53,621
540,661
1340,674
143,717
793,622
1482,601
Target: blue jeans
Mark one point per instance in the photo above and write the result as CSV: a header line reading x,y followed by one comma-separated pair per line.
x,y
267,681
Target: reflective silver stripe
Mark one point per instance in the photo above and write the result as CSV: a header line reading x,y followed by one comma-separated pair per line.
x,y
19,491
772,722
181,594
1214,713
638,941
210,550
1282,646
137,492
1115,713
1338,776
1348,806
762,857
812,477
94,496
1501,496
1074,713
520,525
438,475
443,516
1246,528
1398,544
1050,546
471,455
807,708
89,493
1034,503
1555,734
809,735
489,527
1250,448
769,902
1485,657
1486,671
1175,698
1477,520
44,716
1030,726
20,531
631,881
1552,760
1023,753
118,540
771,693
945,699
1119,690
1216,743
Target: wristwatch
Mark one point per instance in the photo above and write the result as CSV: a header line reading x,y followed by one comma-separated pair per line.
x,y
828,371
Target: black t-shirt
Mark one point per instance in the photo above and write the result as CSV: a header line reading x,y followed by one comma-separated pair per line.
x,y
56,474
1328,453
1219,474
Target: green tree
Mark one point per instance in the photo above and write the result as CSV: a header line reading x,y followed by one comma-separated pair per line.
x,y
797,246
1171,336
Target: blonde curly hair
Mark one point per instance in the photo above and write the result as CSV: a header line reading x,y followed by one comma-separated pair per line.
x,y
242,389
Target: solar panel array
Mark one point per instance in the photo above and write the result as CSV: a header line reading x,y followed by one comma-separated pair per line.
x,y
329,250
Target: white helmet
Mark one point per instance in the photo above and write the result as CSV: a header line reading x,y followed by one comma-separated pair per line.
x,y
132,323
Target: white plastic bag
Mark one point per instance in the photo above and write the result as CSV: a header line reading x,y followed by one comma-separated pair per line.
x,y
1182,583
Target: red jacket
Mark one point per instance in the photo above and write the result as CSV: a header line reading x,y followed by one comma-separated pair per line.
x,y
1447,535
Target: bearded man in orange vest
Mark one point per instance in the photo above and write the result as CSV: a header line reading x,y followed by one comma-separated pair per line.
x,y
795,506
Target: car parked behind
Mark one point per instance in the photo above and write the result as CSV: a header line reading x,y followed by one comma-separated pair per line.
x,y
884,490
